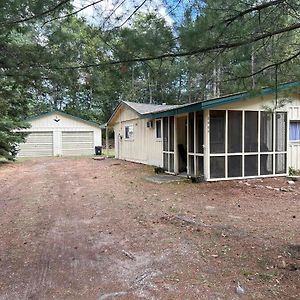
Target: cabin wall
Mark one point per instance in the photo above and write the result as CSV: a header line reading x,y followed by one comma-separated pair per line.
x,y
142,147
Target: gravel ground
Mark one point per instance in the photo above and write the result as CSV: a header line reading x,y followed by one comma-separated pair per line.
x,y
83,229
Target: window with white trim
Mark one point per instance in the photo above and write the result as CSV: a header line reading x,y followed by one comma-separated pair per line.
x,y
158,130
294,131
129,132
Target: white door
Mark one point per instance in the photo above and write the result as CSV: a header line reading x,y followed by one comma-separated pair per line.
x,y
37,144
77,143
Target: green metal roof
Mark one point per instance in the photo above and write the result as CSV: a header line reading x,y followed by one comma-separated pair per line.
x,y
63,114
212,103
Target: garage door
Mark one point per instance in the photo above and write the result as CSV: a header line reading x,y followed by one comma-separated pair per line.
x,y
77,143
37,144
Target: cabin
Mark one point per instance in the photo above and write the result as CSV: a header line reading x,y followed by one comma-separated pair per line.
x,y
60,134
244,135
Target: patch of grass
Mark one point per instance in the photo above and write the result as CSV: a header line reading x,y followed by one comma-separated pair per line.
x,y
247,273
265,276
293,172
173,209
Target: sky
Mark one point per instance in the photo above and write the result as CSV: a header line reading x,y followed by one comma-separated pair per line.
x,y
111,13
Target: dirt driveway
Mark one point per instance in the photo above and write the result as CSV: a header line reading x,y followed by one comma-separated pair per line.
x,y
85,229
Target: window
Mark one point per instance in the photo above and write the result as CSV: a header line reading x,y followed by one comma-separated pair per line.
x,y
295,131
158,129
129,132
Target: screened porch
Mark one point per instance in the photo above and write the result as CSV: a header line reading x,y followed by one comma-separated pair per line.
x,y
226,144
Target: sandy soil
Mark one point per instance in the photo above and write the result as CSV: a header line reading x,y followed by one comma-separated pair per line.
x,y
85,229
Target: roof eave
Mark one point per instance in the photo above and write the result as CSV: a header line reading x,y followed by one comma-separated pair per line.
x,y
212,103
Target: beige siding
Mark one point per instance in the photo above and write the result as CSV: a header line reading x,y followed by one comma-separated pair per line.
x,y
37,144
143,147
294,155
258,103
77,143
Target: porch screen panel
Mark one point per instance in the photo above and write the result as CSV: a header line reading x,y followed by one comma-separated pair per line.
x,y
217,131
251,134
171,156
235,166
217,167
280,163
191,165
266,164
171,134
191,132
199,132
165,159
199,166
234,131
251,165
281,125
266,132
166,134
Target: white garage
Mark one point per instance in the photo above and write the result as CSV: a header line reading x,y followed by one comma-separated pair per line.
x,y
60,134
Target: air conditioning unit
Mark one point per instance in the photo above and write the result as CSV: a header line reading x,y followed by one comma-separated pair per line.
x,y
150,124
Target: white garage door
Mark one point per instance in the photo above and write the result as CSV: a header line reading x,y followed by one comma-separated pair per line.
x,y
77,143
37,144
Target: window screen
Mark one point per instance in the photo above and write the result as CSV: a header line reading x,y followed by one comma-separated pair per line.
x,y
199,165
191,165
281,131
235,166
217,167
158,129
217,131
199,132
171,120
266,164
166,163
280,162
234,131
251,165
171,157
295,131
251,128
166,134
191,132
266,132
